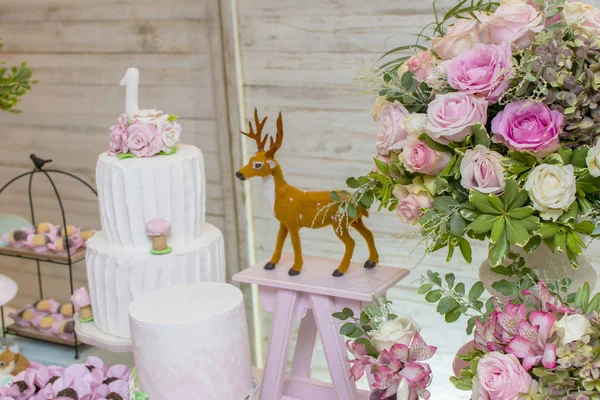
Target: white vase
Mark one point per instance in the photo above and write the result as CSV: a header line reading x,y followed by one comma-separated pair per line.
x,y
549,266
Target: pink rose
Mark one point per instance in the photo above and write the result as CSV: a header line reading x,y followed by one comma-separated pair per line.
x,y
450,117
418,157
144,140
411,200
500,377
460,37
481,169
528,126
118,137
421,65
391,132
485,69
515,23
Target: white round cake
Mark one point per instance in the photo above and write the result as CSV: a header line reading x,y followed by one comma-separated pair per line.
x,y
132,191
116,277
191,342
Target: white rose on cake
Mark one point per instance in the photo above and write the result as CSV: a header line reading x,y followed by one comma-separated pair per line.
x,y
552,189
400,330
151,115
170,132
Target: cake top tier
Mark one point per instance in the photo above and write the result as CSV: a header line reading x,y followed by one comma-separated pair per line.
x,y
181,304
142,133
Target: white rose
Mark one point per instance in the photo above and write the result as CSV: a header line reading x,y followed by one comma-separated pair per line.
x,y
170,132
574,12
552,189
414,124
593,160
575,327
400,330
151,115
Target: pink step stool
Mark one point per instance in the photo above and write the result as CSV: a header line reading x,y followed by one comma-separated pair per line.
x,y
313,296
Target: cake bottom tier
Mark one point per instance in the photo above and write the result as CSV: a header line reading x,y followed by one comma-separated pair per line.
x,y
116,277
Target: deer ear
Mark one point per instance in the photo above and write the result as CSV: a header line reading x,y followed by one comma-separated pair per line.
x,y
271,163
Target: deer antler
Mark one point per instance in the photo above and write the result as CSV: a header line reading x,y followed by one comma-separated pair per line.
x,y
257,137
276,144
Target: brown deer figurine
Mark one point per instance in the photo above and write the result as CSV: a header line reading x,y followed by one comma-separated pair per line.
x,y
296,209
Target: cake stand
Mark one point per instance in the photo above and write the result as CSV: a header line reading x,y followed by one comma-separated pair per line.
x,y
88,333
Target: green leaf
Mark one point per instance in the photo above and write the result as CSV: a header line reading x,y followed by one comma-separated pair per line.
x,y
502,270
579,156
368,346
505,287
498,250
450,278
351,210
460,288
364,318
480,136
122,156
433,296
339,315
452,315
352,183
594,304
457,225
496,202
446,304
335,196
465,249
432,144
348,311
367,199
471,324
349,328
484,223
476,291
585,227
516,233
444,204
534,243
548,230
482,202
498,230
570,214
172,118
582,296
424,288
565,154
521,212
408,81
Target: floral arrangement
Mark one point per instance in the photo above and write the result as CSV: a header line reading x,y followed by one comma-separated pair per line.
x,y
490,130
390,349
93,380
14,83
541,343
146,134
47,237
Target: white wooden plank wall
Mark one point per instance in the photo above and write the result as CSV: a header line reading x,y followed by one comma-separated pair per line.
x,y
294,56
79,51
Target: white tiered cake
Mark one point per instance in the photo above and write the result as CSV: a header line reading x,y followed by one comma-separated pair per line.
x,y
191,342
152,194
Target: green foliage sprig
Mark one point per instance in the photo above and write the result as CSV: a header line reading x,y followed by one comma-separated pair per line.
x,y
14,83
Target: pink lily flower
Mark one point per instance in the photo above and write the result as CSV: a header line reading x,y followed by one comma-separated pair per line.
x,y
95,363
419,350
488,335
386,359
510,318
531,342
116,390
547,301
361,360
68,387
117,372
48,375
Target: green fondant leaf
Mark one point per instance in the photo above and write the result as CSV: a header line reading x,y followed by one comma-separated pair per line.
x,y
172,150
122,156
173,118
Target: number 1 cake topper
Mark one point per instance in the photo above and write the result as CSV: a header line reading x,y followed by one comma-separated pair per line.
x,y
131,81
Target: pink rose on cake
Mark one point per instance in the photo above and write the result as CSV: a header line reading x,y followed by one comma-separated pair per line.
x,y
484,70
144,139
528,126
450,117
118,137
170,132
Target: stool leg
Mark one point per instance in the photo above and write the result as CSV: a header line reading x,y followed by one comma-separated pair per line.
x,y
279,344
335,349
2,317
307,334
